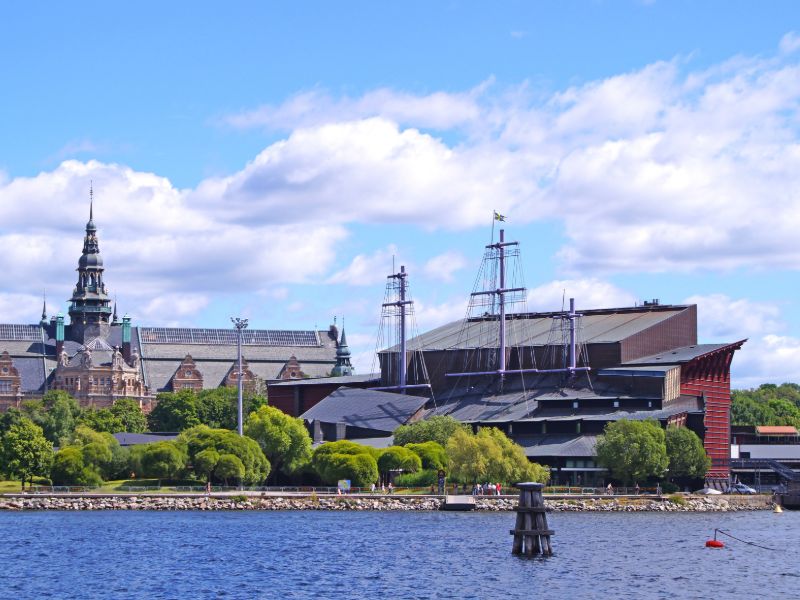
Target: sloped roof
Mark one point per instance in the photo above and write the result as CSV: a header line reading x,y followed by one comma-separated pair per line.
x,y
565,445
533,329
344,380
776,430
368,409
133,439
680,355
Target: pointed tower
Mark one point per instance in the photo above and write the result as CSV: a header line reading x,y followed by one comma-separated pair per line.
x,y
90,306
343,366
43,321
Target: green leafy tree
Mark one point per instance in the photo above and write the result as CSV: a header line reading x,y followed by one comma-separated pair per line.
x,y
205,462
163,460
25,452
687,457
175,411
769,404
69,469
128,411
229,467
224,441
398,458
283,439
344,459
514,466
432,454
472,456
437,429
101,452
633,450
218,407
102,420
11,417
58,415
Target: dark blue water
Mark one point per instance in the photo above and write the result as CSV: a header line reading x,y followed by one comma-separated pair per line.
x,y
390,555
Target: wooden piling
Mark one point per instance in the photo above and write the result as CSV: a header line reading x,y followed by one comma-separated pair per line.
x,y
531,534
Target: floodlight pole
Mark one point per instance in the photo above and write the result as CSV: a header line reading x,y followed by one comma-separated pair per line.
x,y
241,325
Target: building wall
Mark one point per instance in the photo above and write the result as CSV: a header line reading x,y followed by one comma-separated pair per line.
x,y
709,376
675,332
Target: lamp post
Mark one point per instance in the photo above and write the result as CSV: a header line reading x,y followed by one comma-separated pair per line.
x,y
241,325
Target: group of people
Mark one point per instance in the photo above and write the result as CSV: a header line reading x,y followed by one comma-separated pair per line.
x,y
384,489
487,489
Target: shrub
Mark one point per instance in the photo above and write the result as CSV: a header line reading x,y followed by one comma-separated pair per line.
x,y
669,488
398,458
432,454
676,499
424,478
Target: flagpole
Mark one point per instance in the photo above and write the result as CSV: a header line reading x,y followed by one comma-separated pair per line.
x,y
493,220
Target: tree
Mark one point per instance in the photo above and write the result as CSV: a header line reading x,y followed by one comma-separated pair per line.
x,y
470,456
283,439
175,411
224,441
69,469
101,452
102,420
61,415
437,429
345,460
633,450
163,460
25,452
514,466
432,454
128,411
205,462
490,456
398,458
229,467
687,457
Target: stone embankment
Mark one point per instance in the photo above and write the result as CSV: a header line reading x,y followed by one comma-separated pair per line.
x,y
396,503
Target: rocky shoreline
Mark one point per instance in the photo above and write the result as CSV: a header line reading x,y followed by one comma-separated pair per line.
x,y
381,503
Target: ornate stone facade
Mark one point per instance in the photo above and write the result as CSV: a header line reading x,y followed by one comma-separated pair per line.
x,y
10,383
188,376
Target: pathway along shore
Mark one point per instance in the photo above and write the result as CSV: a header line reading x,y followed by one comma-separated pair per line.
x,y
252,501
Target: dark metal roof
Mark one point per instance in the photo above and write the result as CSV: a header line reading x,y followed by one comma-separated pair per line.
x,y
368,409
638,371
341,381
567,445
683,404
680,355
533,329
133,439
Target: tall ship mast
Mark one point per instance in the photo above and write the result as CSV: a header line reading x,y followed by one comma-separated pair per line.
x,y
401,370
498,304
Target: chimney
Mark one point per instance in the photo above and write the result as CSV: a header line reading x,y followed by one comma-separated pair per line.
x,y
317,436
59,335
341,431
126,338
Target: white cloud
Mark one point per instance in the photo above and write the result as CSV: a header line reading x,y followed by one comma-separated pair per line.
x,y
438,110
790,43
367,269
721,318
443,266
588,293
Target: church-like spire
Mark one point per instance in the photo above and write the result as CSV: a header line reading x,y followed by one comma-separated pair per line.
x,y
343,366
90,307
43,321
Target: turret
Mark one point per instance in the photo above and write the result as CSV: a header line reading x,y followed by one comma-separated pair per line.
x,y
90,306
59,334
126,338
343,366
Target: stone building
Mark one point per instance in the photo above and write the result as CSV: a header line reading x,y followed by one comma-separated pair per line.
x,y
98,357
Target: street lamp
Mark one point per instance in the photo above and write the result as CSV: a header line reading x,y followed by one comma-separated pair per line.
x,y
241,325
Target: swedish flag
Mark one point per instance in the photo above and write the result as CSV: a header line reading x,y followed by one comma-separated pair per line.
x,y
499,217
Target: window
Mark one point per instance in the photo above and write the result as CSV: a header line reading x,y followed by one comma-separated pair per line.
x,y
616,403
188,386
5,387
575,404
187,373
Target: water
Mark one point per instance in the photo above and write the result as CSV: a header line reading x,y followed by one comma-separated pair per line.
x,y
390,555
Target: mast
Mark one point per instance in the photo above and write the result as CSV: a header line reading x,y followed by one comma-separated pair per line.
x,y
398,286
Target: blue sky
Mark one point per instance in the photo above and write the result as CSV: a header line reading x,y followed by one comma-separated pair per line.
x,y
269,160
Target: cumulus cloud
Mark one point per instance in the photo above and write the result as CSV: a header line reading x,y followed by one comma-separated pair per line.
x,y
443,266
588,293
367,269
165,257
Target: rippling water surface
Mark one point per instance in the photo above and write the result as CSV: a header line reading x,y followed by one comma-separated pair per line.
x,y
390,555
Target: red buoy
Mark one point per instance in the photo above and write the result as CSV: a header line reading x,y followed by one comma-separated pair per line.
x,y
714,544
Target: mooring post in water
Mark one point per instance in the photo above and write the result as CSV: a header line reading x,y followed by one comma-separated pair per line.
x,y
531,535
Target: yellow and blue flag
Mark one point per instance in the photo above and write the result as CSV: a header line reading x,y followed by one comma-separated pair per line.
x,y
499,217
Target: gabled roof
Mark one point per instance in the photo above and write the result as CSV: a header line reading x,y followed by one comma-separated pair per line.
x,y
344,380
368,409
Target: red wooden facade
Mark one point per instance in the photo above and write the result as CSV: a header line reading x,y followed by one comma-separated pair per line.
x,y
709,376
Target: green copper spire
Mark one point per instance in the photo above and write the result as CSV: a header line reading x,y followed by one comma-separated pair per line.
x,y
343,366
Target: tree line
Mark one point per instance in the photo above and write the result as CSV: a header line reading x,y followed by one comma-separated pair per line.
x,y
768,404
56,441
